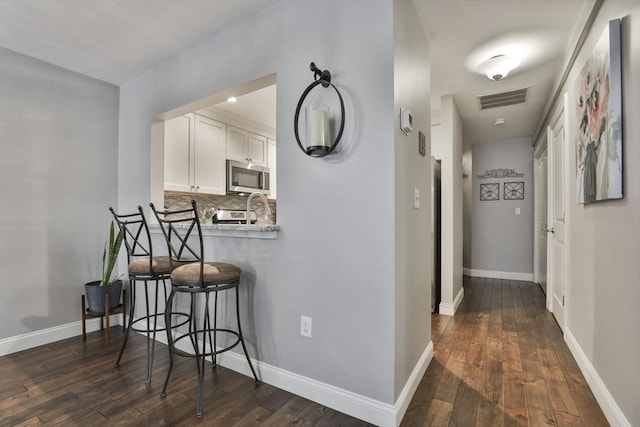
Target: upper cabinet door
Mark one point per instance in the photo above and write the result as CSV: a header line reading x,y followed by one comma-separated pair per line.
x,y
177,153
246,147
257,150
210,154
271,162
237,143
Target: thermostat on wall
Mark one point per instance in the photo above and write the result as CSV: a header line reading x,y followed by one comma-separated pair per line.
x,y
406,121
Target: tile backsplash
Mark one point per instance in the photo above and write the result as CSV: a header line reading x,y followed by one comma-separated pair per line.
x,y
176,200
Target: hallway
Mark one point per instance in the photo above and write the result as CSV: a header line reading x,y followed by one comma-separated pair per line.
x,y
501,360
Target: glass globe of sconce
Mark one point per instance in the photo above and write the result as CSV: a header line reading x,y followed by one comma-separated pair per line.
x,y
318,141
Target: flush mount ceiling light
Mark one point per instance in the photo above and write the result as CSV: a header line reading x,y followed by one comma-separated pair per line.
x,y
232,99
498,67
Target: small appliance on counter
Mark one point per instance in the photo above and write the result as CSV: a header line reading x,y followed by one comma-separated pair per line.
x,y
227,216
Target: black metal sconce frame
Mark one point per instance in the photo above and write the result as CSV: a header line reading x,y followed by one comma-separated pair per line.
x,y
321,77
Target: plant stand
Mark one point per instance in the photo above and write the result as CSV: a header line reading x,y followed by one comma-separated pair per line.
x,y
86,314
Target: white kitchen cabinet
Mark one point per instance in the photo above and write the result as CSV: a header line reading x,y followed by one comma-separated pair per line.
x,y
178,133
194,155
247,147
210,155
257,149
271,163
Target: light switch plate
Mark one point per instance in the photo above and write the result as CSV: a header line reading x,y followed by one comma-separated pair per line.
x,y
406,121
416,198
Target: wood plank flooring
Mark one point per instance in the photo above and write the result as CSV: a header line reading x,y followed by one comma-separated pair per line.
x,y
501,361
74,383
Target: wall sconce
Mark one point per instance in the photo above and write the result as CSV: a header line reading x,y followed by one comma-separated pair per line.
x,y
497,67
317,118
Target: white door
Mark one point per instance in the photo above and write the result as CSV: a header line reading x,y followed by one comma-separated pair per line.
x,y
556,255
541,227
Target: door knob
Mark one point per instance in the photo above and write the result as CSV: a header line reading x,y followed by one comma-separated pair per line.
x,y
550,230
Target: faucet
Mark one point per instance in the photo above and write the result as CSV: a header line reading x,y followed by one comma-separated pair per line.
x,y
267,209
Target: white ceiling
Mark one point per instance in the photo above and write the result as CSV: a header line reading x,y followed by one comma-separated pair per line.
x,y
259,106
463,33
116,40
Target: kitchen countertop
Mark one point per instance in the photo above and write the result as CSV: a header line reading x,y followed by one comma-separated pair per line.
x,y
252,231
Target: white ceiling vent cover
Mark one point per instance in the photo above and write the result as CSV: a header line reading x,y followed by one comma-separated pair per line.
x,y
503,99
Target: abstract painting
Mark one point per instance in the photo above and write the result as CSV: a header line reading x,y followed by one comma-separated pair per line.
x,y
599,118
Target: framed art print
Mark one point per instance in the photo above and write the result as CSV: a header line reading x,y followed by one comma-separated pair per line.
x,y
490,192
599,120
513,191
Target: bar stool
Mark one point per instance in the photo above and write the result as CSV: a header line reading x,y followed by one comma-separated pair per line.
x,y
149,270
183,234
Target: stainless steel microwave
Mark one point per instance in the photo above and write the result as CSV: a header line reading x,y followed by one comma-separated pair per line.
x,y
247,178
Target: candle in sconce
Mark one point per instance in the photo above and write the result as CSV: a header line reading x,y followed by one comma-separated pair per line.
x,y
317,119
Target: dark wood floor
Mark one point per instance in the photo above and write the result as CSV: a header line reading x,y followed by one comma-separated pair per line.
x,y
74,383
500,361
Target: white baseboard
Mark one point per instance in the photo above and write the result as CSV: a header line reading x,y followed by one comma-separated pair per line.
x,y
409,389
507,275
611,410
49,335
449,309
353,404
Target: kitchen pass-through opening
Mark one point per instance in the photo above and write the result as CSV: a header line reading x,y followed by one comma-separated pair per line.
x,y
193,145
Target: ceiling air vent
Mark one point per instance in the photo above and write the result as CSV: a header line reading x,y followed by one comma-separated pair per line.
x,y
503,99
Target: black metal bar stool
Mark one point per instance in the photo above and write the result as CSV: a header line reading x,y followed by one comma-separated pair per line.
x,y
147,269
183,234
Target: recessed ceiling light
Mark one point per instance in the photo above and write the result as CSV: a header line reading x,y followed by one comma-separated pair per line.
x,y
232,99
499,122
497,67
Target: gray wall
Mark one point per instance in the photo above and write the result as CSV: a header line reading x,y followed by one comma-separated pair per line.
x,y
58,175
503,241
334,258
413,226
602,291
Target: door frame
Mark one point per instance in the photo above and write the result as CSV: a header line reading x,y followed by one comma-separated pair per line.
x,y
562,108
540,191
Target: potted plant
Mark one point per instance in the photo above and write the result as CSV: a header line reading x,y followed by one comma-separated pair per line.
x,y
96,291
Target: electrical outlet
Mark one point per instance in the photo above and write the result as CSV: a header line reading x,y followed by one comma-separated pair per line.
x,y
305,326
